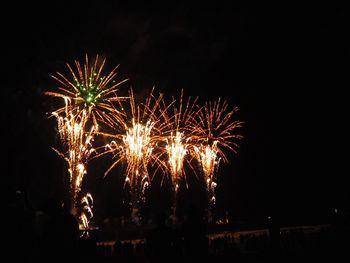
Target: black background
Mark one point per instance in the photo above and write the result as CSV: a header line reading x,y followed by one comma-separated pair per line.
x,y
284,67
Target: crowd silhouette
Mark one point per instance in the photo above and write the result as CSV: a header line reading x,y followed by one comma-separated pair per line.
x,y
53,232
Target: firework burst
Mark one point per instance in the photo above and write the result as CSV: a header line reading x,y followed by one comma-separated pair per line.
x,y
215,130
176,118
89,88
137,147
176,149
214,125
135,140
207,156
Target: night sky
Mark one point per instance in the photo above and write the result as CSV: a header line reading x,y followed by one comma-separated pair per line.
x,y
285,71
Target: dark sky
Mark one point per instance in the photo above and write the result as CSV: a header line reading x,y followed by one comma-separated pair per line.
x,y
285,70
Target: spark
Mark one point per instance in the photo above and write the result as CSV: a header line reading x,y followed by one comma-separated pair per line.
x,y
214,123
86,214
176,121
134,140
89,87
176,149
207,156
137,148
77,147
215,130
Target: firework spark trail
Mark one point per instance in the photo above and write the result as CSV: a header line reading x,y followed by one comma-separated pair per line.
x,y
214,123
86,214
77,145
176,120
138,150
88,87
177,150
215,130
136,143
207,156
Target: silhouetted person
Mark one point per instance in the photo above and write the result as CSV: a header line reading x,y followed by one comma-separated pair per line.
x,y
160,240
274,232
61,232
18,228
87,246
195,239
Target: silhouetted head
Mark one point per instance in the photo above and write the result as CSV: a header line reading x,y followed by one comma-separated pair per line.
x,y
52,207
160,218
194,212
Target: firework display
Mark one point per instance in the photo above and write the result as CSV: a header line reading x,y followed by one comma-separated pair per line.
x,y
148,137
